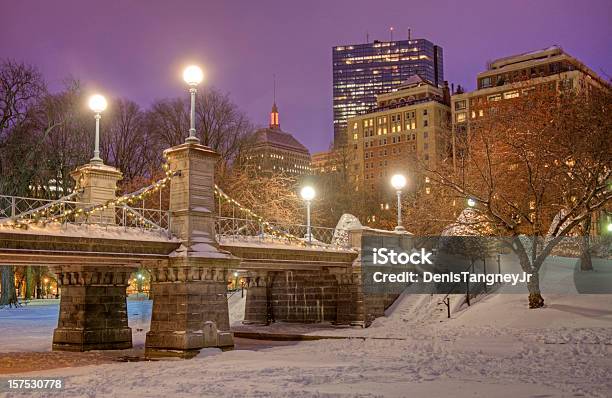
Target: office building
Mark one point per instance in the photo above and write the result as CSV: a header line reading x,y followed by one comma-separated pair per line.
x,y
276,151
363,71
550,71
408,131
506,78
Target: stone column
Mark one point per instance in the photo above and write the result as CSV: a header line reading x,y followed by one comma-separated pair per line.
x,y
191,289
192,198
93,309
256,311
185,298
99,184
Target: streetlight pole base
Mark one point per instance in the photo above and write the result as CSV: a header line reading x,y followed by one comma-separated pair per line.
x,y
96,160
192,140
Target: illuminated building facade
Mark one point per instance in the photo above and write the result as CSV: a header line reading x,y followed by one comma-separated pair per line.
x,y
410,128
276,151
550,71
322,162
363,71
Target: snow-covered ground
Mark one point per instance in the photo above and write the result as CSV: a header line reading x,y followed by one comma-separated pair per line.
x,y
496,348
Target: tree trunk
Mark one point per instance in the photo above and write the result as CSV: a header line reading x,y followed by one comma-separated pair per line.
x,y
585,254
9,295
28,282
533,286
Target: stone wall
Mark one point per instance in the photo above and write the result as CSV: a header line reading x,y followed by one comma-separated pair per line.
x,y
303,296
313,296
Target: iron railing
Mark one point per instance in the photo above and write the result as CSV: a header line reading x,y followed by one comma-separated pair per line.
x,y
242,229
18,206
21,210
471,289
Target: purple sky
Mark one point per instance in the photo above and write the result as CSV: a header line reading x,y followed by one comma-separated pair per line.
x,y
137,49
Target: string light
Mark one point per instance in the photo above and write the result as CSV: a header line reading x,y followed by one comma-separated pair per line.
x,y
45,216
273,231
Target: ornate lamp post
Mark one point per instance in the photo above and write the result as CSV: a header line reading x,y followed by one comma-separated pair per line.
x,y
97,103
308,193
193,76
398,182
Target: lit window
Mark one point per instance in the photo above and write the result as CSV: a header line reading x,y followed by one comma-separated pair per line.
x,y
481,113
355,136
511,94
461,116
459,105
473,114
495,97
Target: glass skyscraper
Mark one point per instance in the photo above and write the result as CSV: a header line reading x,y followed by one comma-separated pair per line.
x,y
362,71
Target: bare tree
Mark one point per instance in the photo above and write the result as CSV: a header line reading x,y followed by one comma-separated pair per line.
x,y
8,295
21,86
219,123
126,142
223,126
273,197
538,167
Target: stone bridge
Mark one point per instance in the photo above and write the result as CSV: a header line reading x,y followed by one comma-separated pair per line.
x,y
189,269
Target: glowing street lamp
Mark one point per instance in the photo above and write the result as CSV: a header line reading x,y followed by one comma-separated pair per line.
x,y
308,193
193,76
610,227
97,103
46,281
139,282
398,182
471,202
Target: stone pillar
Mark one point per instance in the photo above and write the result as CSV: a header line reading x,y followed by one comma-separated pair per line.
x,y
99,184
257,311
191,289
93,309
192,198
185,298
